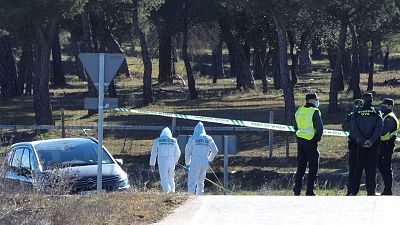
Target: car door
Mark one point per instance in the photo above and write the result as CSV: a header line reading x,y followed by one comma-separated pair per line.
x,y
13,163
24,173
19,168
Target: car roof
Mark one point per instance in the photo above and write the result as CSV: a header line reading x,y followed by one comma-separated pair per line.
x,y
81,140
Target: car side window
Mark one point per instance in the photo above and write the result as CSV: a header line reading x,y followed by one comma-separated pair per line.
x,y
34,162
16,161
25,161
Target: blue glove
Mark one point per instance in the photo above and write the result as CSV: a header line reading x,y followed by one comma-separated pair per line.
x,y
188,167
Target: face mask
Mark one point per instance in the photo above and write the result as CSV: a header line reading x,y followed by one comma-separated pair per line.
x,y
357,107
317,103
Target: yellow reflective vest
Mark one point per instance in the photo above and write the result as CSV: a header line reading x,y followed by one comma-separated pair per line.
x,y
389,135
304,121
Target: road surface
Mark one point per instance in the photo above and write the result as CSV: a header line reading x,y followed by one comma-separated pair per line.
x,y
287,210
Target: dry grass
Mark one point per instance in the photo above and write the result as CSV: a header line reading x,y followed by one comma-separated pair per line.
x,y
111,208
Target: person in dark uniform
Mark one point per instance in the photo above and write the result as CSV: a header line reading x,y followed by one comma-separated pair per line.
x,y
367,128
352,144
309,129
386,147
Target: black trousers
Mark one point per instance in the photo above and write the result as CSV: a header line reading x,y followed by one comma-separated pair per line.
x,y
366,161
352,146
385,151
307,153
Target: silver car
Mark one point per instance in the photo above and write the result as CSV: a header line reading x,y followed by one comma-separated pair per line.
x,y
36,164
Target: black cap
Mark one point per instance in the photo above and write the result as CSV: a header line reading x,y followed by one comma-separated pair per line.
x,y
368,96
388,101
358,102
310,96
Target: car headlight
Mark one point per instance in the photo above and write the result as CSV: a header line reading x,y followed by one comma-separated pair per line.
x,y
123,184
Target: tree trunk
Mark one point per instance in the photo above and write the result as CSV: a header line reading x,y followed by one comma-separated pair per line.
x,y
185,53
217,62
305,58
114,47
75,51
259,58
275,68
165,55
293,67
284,69
247,51
266,68
87,47
347,65
335,78
371,73
363,55
316,52
43,43
241,64
25,68
340,77
375,51
96,34
332,57
386,61
147,90
8,69
232,63
174,54
355,65
112,90
58,74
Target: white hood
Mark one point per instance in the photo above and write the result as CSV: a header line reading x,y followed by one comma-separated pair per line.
x,y
199,130
166,132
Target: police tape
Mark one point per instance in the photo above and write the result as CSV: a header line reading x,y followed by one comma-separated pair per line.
x,y
243,123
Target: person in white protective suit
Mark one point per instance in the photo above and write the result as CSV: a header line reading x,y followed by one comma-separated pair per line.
x,y
167,149
200,151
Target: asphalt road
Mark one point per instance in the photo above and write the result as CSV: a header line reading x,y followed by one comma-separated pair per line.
x,y
287,210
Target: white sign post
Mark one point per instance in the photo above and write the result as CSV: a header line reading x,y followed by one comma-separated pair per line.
x,y
101,68
100,125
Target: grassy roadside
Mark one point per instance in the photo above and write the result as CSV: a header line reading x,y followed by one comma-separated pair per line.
x,y
112,208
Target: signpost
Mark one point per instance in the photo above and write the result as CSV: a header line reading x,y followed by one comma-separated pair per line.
x,y
101,68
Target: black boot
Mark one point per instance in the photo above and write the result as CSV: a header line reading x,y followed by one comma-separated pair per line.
x,y
387,192
310,193
296,191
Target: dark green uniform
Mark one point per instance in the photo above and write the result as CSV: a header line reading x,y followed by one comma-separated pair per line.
x,y
366,125
352,146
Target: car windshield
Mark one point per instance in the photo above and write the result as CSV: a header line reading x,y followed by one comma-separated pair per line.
x,y
69,153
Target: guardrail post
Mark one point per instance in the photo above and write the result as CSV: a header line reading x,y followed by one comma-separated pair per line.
x,y
174,126
62,123
271,134
226,149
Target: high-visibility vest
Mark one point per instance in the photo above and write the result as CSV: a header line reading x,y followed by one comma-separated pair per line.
x,y
389,135
304,121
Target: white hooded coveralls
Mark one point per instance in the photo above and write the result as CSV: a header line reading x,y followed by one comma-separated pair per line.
x,y
167,149
199,152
